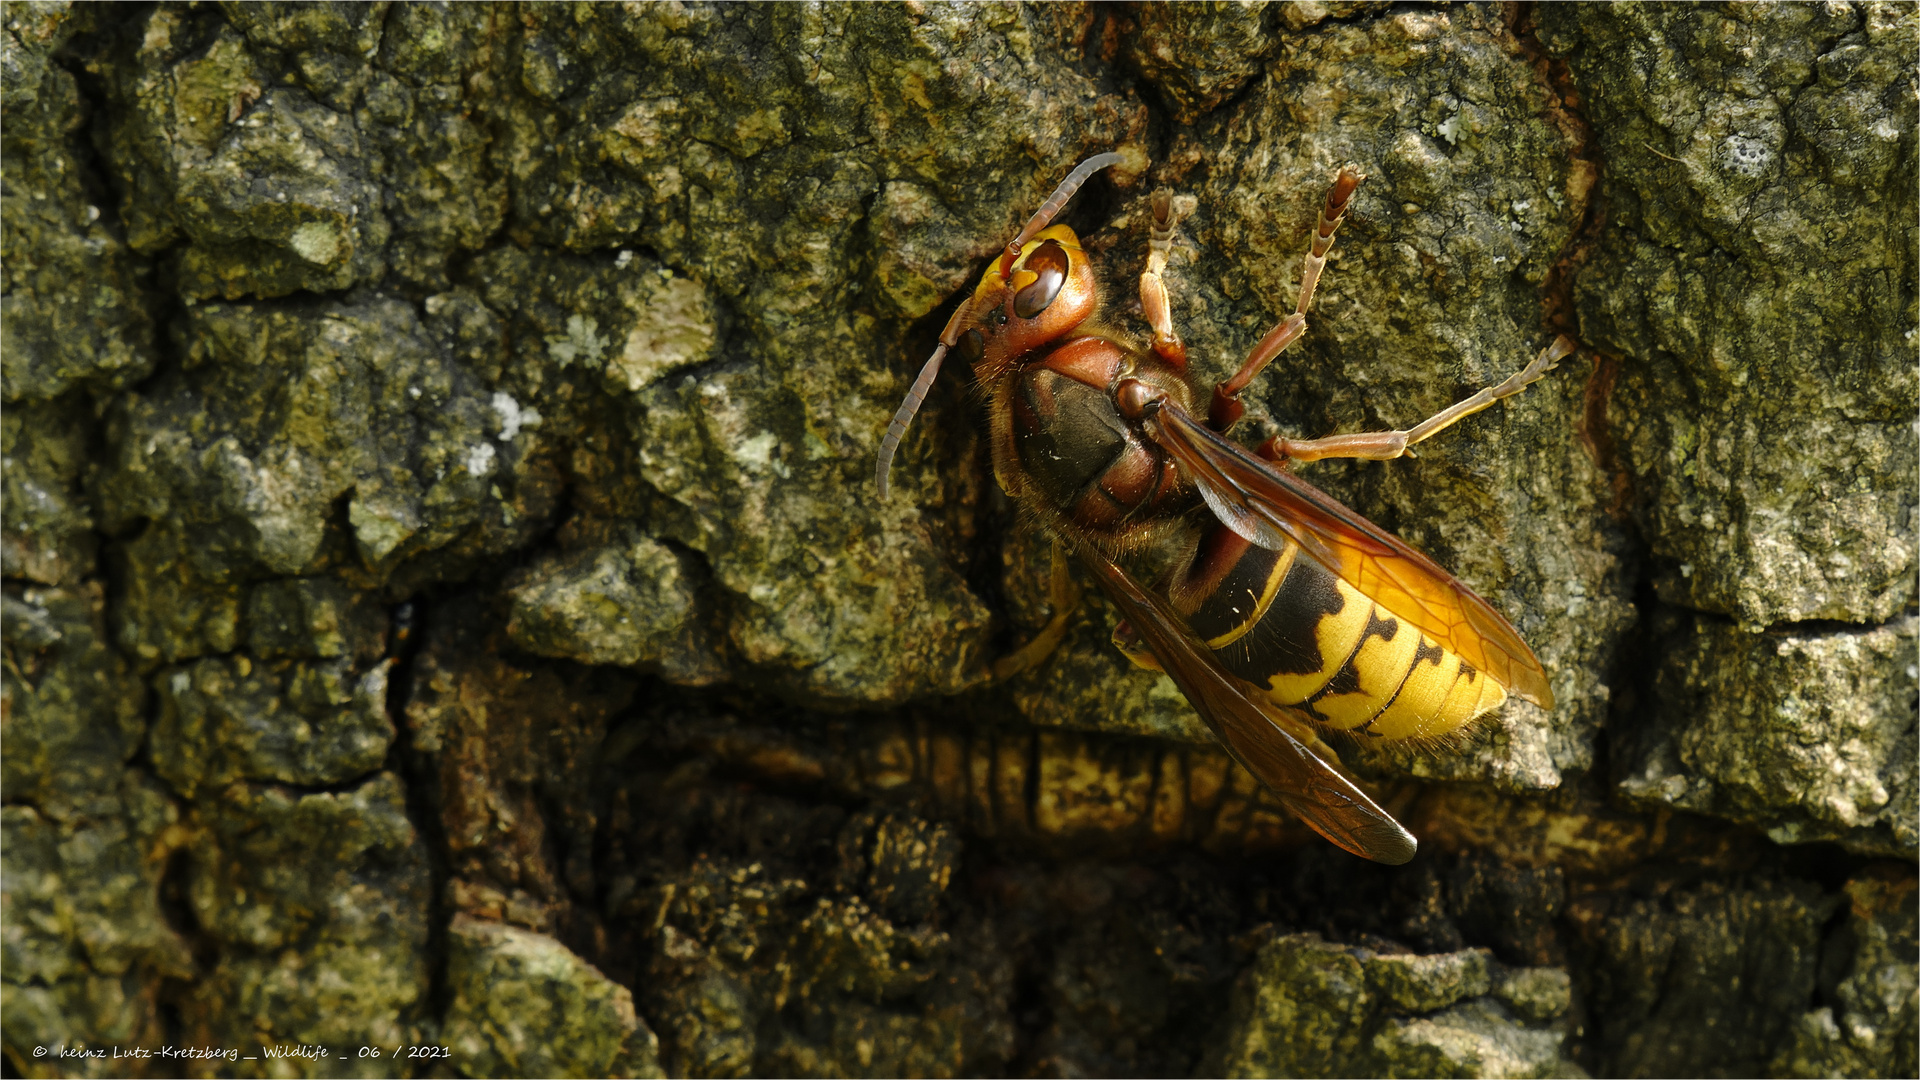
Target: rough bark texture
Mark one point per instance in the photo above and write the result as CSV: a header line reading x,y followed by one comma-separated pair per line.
x,y
446,603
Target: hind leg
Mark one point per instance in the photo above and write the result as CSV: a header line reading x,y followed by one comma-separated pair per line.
x,y
1387,445
1064,598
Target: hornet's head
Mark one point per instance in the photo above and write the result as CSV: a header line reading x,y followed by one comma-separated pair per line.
x,y
1028,300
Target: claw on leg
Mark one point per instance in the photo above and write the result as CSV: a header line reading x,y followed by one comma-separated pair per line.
x,y
1331,215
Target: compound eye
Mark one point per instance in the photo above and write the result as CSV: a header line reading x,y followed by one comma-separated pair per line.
x,y
1050,264
972,344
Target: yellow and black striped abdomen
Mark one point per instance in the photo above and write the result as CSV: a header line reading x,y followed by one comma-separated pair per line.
x,y
1283,621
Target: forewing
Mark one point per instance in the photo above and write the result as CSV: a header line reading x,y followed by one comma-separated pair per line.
x,y
1269,506
1306,785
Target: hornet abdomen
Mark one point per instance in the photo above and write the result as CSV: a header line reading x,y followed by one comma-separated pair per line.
x,y
1283,622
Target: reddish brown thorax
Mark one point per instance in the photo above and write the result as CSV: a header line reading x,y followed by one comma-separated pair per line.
x,y
1075,431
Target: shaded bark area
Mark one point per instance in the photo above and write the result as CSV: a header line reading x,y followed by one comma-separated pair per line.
x,y
446,605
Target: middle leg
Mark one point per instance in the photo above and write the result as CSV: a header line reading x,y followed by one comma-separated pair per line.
x,y
1226,408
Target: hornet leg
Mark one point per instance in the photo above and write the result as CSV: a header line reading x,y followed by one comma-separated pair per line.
x,y
1386,445
1064,598
1226,408
1153,291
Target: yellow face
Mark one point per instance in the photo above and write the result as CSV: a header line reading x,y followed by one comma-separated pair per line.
x,y
1048,291
1024,275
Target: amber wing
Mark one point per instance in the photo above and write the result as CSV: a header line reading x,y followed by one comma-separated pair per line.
x,y
1306,785
1269,507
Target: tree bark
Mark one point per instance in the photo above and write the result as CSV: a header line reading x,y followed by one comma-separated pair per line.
x,y
450,622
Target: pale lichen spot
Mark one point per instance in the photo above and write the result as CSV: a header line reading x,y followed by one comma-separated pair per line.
x,y
756,455
512,416
581,343
676,329
480,459
317,242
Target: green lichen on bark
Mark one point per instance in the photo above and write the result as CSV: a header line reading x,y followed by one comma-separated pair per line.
x,y
523,1005
1810,736
72,302
1309,1008
1756,273
445,601
73,707
317,903
48,535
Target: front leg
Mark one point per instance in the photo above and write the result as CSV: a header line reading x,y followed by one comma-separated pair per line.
x,y
1153,291
1387,445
